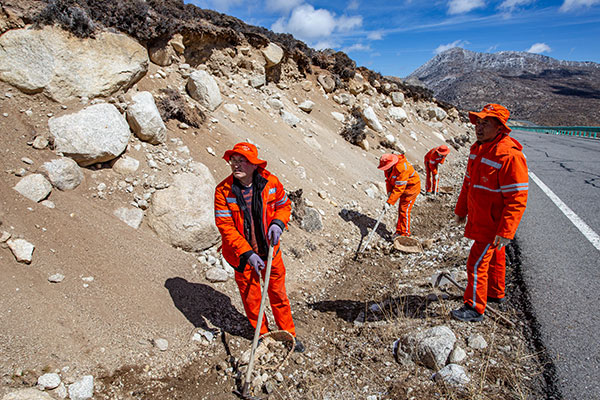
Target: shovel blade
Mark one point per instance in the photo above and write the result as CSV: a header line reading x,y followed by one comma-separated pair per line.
x,y
437,280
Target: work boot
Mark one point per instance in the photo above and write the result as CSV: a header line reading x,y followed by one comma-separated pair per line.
x,y
467,314
299,348
497,300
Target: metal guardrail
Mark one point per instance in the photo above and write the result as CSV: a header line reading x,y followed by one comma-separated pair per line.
x,y
591,132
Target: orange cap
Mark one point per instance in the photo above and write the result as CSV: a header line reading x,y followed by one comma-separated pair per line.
x,y
387,161
247,150
492,110
442,150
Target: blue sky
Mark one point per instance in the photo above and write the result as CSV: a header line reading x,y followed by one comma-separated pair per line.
x,y
396,37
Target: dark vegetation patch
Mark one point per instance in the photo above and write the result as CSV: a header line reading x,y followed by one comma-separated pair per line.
x,y
172,106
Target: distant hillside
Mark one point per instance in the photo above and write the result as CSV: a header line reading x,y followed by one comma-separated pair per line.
x,y
534,87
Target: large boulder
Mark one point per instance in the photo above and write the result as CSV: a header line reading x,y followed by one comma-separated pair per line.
x,y
327,82
35,187
397,98
183,214
95,134
62,66
397,114
145,120
203,88
430,348
273,54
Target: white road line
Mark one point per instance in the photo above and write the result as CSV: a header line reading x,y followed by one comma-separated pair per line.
x,y
578,222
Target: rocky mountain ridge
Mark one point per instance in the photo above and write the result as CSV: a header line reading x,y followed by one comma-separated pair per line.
x,y
534,87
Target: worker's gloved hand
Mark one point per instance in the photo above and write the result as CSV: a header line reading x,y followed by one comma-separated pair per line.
x,y
500,242
256,262
386,206
274,234
459,220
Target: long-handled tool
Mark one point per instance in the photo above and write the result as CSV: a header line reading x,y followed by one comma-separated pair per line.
x,y
364,246
244,394
439,280
437,180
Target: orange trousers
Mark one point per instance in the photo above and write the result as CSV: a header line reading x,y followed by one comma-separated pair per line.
x,y
431,180
250,290
405,205
486,271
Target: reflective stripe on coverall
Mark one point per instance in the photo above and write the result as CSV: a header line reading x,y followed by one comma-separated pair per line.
x,y
270,199
402,183
493,198
432,160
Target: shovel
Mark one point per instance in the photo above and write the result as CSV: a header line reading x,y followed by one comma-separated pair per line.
x,y
437,183
364,246
244,394
444,277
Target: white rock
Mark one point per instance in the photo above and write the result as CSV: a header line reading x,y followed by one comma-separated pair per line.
x,y
145,120
231,108
161,344
131,216
56,278
40,142
126,165
21,249
5,236
307,106
93,135
477,342
457,355
83,389
273,54
452,374
35,187
49,381
371,119
63,173
397,114
338,116
48,203
289,118
216,274
203,88
397,98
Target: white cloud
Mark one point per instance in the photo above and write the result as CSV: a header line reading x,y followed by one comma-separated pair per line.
x,y
325,44
356,47
443,47
217,5
569,5
539,48
510,5
353,5
375,35
283,6
345,23
315,25
464,6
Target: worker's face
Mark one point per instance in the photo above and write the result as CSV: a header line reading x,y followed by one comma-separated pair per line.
x,y
241,168
486,129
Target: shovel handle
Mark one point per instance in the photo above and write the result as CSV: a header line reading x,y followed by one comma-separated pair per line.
x,y
373,231
261,313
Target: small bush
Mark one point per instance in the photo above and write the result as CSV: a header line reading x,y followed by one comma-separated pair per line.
x,y
355,132
172,106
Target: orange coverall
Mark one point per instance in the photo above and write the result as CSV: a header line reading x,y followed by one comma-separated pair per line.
x,y
432,159
493,198
233,221
402,183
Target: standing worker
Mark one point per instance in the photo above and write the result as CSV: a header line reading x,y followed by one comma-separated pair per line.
x,y
433,158
251,211
492,200
402,183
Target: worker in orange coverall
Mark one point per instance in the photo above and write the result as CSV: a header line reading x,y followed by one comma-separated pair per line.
x,y
492,200
402,183
251,211
433,158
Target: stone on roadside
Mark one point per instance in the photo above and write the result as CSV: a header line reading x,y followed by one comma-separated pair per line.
x,y
203,88
131,216
161,344
82,389
35,187
311,222
477,342
306,106
217,274
56,278
49,381
371,119
289,118
457,355
452,374
145,120
126,165
40,142
273,54
397,98
430,348
21,249
64,173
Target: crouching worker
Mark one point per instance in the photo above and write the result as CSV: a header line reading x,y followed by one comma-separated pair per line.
x,y
251,211
433,158
403,184
492,200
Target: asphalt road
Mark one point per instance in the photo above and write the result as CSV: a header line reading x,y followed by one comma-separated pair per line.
x,y
560,267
